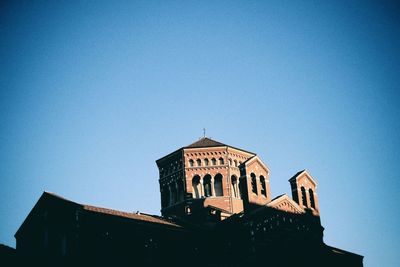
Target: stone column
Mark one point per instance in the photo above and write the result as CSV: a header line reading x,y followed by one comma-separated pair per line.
x,y
201,189
212,189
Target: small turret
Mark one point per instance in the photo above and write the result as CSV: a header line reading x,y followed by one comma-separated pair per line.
x,y
304,191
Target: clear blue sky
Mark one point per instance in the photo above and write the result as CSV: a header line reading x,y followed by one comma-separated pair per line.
x,y
92,93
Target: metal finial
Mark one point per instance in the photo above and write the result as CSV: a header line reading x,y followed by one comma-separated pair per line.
x,y
204,132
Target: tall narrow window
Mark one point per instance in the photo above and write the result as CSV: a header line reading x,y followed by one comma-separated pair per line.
x,y
312,201
214,161
191,163
235,163
253,183
196,186
234,186
206,163
303,196
218,185
263,186
199,162
221,161
230,162
207,185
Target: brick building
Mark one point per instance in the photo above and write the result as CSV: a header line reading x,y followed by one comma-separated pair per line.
x,y
216,208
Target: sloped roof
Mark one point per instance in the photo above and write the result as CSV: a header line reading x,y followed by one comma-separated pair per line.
x,y
284,198
259,160
343,252
130,215
202,143
303,172
297,174
208,142
205,142
277,197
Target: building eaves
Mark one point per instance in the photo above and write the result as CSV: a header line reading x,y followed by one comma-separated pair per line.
x,y
205,142
277,197
208,142
130,215
343,252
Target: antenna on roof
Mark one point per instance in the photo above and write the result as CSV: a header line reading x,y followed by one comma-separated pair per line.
x,y
204,132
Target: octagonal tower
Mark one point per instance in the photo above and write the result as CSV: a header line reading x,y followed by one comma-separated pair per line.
x,y
209,177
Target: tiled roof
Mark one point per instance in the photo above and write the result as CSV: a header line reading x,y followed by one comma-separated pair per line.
x,y
130,215
205,142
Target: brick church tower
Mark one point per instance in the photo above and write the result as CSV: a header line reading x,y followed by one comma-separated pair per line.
x,y
304,191
209,177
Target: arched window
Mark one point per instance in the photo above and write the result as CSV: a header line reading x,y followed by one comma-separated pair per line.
x,y
207,185
196,186
214,161
206,162
303,196
263,186
198,162
218,185
221,161
253,183
191,163
312,201
234,186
